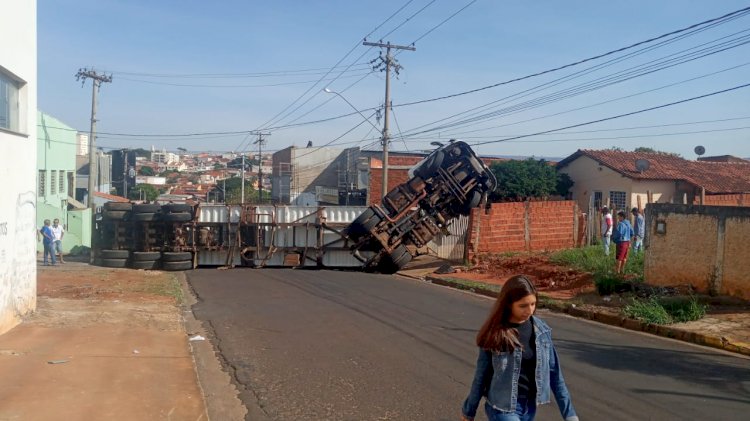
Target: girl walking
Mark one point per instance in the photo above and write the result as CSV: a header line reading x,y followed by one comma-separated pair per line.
x,y
518,367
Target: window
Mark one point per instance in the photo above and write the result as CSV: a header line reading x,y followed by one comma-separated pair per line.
x,y
617,200
42,182
61,181
597,200
8,103
53,182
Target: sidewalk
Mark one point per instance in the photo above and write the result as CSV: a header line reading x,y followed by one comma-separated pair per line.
x,y
724,327
103,344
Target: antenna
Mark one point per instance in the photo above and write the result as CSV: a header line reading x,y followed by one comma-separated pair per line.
x,y
642,165
699,150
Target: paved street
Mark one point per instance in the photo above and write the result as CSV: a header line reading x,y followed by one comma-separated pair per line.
x,y
345,345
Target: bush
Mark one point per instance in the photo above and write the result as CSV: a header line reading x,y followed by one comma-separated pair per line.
x,y
665,311
649,311
608,283
684,309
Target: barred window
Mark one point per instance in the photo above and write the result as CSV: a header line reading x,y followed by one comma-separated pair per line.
x,y
597,200
52,182
617,200
42,182
61,181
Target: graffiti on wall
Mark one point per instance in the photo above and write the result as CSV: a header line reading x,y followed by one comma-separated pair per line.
x,y
18,256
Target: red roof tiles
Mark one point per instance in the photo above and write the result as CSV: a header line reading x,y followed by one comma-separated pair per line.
x,y
715,177
110,197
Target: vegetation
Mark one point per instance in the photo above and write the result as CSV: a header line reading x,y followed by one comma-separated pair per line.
x,y
652,150
147,171
665,311
530,178
233,193
142,152
592,259
143,192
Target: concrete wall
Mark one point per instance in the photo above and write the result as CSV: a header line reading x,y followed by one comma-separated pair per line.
x,y
741,199
56,158
18,168
523,226
589,176
707,247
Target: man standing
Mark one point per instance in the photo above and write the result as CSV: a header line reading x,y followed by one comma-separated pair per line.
x,y
639,230
621,237
48,240
59,233
606,229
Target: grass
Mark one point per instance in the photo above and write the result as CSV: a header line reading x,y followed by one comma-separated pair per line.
x,y
166,285
665,311
592,259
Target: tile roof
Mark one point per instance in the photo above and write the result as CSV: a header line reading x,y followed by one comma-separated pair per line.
x,y
715,177
110,197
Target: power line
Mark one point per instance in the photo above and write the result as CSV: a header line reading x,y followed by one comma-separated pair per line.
x,y
266,85
617,116
730,129
278,73
736,13
443,22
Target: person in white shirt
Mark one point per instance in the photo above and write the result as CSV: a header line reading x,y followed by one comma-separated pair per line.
x,y
59,233
606,229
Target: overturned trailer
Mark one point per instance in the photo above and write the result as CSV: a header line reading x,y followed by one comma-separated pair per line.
x,y
442,188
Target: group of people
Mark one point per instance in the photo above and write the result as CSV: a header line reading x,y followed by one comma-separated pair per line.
x,y
623,235
52,236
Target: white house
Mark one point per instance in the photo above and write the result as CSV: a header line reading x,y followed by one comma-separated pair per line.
x,y
18,157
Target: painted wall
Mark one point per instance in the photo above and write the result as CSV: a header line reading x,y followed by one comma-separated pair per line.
x,y
18,168
703,246
589,177
56,159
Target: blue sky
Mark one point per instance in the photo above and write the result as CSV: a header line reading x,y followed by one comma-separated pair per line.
x,y
246,62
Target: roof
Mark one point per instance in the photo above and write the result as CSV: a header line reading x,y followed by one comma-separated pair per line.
x,y
110,197
715,177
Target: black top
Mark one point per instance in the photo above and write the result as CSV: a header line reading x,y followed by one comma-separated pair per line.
x,y
526,379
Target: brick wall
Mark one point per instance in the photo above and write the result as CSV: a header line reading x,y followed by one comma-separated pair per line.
x,y
396,176
706,247
522,226
741,199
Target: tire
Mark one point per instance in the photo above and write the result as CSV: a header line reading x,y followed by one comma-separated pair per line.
x,y
173,266
401,256
371,223
114,254
177,217
146,208
176,256
431,166
145,264
143,256
118,206
472,201
113,215
177,208
114,263
143,217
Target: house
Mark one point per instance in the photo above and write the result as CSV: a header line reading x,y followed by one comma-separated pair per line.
x,y
56,173
625,179
18,92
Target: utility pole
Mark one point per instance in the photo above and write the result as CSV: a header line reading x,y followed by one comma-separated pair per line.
x,y
242,183
386,64
82,75
260,164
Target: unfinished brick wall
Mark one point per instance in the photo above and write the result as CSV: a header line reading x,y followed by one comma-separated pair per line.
x,y
396,176
740,199
706,247
522,226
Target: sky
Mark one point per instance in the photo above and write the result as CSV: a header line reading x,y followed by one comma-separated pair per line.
x,y
207,76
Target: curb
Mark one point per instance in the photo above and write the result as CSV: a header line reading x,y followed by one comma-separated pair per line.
x,y
611,319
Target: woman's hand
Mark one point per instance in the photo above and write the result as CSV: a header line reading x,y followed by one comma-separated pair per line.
x,y
465,418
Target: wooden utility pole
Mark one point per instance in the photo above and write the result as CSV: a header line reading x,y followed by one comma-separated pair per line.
x,y
82,75
388,62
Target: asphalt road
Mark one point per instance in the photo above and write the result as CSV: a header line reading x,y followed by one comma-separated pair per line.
x,y
329,345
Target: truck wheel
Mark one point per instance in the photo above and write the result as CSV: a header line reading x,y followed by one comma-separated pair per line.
x,y
118,206
472,201
177,207
175,256
145,264
114,254
143,217
177,217
146,208
174,266
113,215
114,263
357,227
143,256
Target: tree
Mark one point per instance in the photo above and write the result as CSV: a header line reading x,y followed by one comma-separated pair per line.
x,y
147,171
150,192
521,180
182,149
218,166
645,149
233,193
142,152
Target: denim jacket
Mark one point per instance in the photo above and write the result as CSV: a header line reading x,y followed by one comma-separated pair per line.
x,y
496,377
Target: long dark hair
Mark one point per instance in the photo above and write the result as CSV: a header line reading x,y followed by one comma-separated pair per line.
x,y
496,333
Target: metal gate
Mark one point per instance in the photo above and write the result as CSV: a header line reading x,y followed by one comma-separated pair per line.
x,y
452,247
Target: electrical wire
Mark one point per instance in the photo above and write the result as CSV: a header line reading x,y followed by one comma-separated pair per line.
x,y
266,85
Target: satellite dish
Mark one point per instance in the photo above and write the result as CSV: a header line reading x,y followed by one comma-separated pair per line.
x,y
642,165
699,150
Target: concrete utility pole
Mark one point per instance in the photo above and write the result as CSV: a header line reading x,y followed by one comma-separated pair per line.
x,y
260,164
389,62
242,183
82,75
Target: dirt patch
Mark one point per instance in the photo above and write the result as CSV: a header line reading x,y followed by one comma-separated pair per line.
x,y
76,280
553,280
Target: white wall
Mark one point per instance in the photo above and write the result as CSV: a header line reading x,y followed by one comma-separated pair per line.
x,y
18,168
